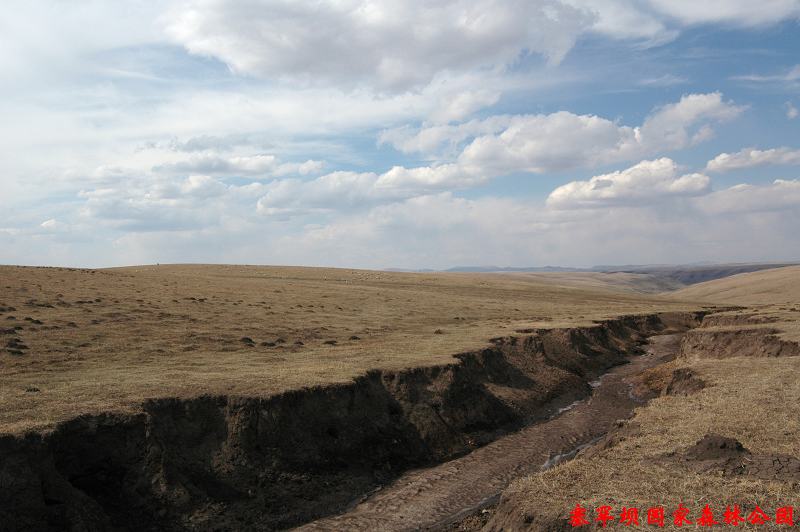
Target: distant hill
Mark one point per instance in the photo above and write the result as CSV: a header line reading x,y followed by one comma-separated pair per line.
x,y
489,269
774,286
671,275
689,275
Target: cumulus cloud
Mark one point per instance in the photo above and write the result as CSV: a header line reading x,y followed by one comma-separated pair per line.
x,y
626,20
355,219
752,157
346,190
646,182
464,104
330,192
154,204
396,45
540,143
385,43
536,144
440,230
563,140
292,82
434,138
791,111
261,165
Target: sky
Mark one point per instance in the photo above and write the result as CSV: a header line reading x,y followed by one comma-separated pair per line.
x,y
384,134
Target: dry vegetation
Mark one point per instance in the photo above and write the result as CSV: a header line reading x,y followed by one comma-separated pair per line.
x,y
88,341
753,400
771,298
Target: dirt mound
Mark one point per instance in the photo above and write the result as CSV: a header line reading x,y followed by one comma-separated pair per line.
x,y
684,381
715,447
666,378
728,456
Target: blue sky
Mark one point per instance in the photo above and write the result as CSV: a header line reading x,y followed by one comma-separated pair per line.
x,y
381,134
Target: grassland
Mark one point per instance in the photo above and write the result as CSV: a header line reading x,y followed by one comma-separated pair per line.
x,y
88,341
772,287
755,400
771,298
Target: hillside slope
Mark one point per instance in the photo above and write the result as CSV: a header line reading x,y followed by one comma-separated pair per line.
x,y
766,287
689,275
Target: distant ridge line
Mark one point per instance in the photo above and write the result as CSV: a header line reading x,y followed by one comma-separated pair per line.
x,y
686,274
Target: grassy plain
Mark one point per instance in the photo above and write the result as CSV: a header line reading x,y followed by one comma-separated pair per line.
x,y
88,341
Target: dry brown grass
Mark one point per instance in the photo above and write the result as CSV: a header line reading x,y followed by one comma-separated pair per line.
x,y
780,286
755,400
771,296
111,338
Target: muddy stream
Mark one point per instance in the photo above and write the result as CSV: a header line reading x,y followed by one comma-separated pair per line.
x,y
433,498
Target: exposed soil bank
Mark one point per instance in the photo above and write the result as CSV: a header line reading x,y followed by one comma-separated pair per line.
x,y
233,463
723,336
717,337
434,498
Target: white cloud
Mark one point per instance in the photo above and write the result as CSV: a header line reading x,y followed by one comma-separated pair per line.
x,y
738,12
623,19
261,165
780,195
431,139
52,225
37,33
666,80
563,140
347,219
315,80
464,104
752,157
442,230
671,126
389,44
328,193
397,45
644,183
536,144
540,143
155,204
791,111
343,191
791,75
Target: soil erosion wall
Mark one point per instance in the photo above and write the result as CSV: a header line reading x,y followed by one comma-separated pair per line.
x,y
239,463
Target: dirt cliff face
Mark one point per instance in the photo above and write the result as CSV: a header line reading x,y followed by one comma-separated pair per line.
x,y
237,463
723,336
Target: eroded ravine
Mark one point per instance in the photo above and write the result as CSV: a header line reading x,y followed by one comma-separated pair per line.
x,y
266,463
435,497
